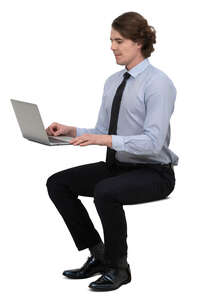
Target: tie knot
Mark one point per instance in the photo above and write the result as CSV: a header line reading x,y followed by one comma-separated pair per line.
x,y
126,75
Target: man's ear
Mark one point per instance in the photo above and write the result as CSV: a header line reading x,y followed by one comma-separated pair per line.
x,y
139,45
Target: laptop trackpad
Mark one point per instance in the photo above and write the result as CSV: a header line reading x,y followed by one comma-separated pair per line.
x,y
62,138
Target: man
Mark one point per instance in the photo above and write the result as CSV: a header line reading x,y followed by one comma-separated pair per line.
x,y
134,124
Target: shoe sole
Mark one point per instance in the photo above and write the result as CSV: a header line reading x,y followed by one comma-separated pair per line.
x,y
91,275
103,289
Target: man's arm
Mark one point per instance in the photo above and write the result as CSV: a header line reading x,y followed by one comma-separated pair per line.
x,y
159,102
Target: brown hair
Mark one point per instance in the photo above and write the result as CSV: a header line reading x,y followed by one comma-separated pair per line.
x,y
133,26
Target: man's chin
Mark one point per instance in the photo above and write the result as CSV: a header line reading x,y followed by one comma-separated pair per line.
x,y
120,63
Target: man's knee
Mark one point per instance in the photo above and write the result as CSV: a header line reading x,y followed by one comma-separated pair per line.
x,y
58,183
51,183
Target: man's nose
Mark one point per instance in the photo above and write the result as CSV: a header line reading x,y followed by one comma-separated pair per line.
x,y
113,47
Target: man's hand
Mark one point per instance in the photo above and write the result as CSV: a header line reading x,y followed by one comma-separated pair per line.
x,y
57,129
92,139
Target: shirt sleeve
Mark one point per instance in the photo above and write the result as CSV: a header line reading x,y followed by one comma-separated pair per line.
x,y
101,126
159,100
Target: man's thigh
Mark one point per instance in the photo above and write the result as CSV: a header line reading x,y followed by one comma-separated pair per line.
x,y
82,179
139,185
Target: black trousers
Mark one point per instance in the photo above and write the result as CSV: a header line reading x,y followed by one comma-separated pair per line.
x,y
111,188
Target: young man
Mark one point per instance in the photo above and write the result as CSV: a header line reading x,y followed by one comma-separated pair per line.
x,y
134,124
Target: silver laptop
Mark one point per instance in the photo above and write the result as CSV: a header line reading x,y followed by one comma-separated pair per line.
x,y
31,125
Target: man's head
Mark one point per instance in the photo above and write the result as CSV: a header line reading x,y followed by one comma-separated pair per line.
x,y
132,39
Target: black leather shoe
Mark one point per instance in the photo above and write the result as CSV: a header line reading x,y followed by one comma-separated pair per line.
x,y
89,269
112,279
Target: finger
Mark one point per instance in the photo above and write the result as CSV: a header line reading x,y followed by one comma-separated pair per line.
x,y
58,132
48,131
72,141
81,142
77,143
75,140
85,143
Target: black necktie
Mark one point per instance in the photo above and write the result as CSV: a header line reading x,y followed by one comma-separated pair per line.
x,y
110,155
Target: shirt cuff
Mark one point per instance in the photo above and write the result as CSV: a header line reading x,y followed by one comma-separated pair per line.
x,y
117,143
79,131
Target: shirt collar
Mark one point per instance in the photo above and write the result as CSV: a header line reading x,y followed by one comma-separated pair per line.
x,y
139,68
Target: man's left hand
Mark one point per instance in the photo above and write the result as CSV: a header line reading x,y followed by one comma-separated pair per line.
x,y
92,139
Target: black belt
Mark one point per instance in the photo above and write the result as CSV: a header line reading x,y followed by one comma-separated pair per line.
x,y
170,165
129,165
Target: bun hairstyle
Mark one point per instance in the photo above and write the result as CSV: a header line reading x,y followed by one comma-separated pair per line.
x,y
134,26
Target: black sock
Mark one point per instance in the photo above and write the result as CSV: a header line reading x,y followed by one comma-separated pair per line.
x,y
98,251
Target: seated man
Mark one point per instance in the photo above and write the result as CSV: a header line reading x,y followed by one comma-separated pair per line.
x,y
134,124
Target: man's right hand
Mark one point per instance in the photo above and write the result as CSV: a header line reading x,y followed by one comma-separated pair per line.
x,y
56,129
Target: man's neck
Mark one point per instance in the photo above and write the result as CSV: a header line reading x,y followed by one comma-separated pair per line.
x,y
134,63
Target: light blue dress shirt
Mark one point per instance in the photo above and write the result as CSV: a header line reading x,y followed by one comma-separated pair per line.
x,y
143,130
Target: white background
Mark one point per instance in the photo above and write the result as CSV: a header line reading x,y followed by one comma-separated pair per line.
x,y
57,54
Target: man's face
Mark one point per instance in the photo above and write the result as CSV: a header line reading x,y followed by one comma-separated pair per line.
x,y
126,51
